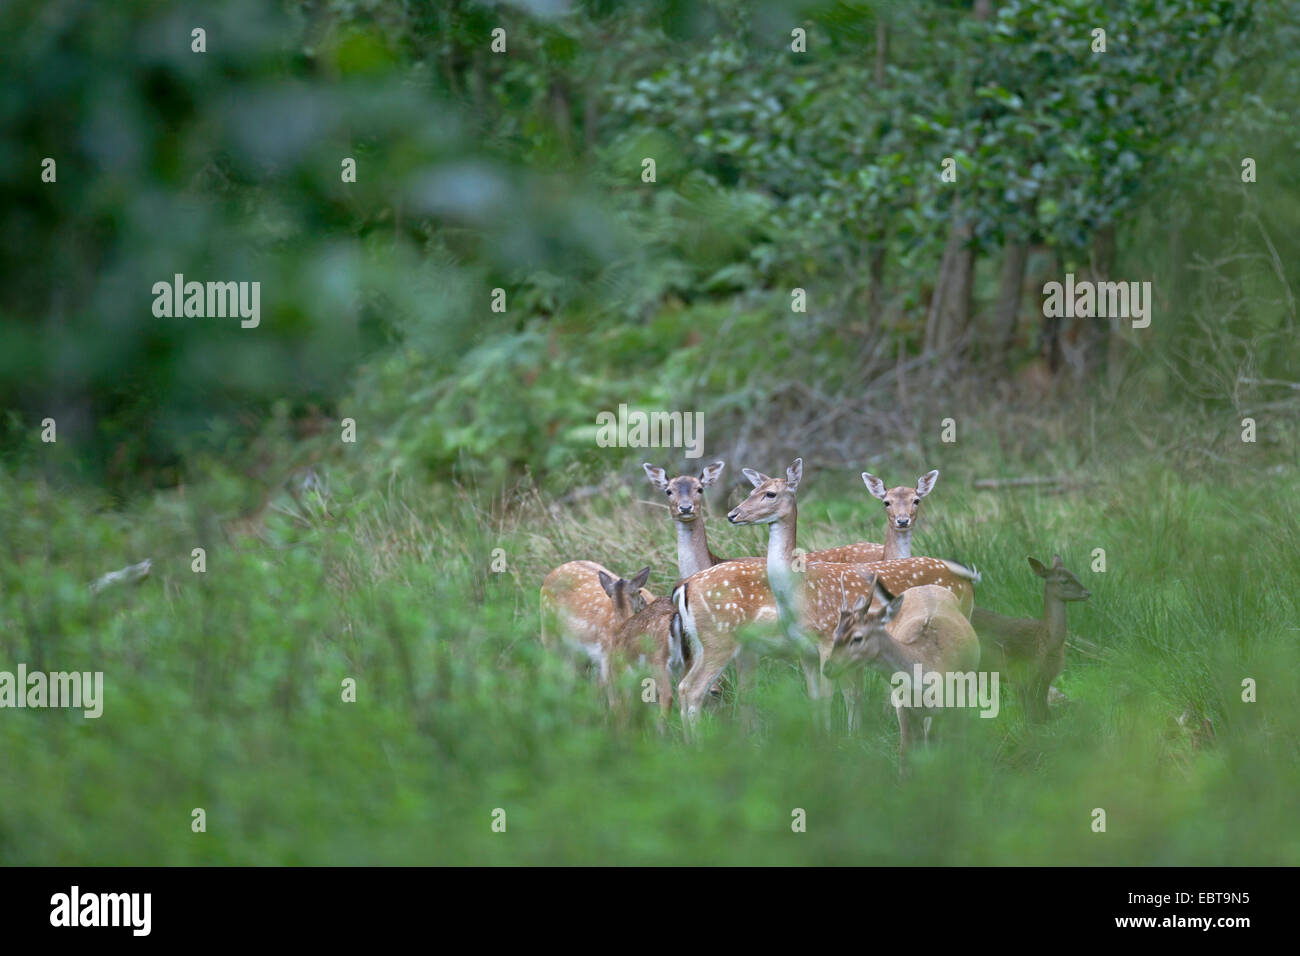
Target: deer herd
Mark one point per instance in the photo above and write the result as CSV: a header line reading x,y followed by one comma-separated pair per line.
x,y
837,610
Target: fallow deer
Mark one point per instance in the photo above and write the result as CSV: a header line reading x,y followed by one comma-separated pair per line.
x,y
1030,653
686,505
583,603
929,629
648,635
902,507
715,603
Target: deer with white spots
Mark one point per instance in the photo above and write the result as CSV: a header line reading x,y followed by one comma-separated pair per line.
x,y
929,628
1030,653
713,605
646,637
583,604
576,602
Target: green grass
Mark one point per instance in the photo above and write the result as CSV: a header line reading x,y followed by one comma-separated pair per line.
x,y
223,689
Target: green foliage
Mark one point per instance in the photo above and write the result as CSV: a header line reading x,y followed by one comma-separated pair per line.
x,y
224,691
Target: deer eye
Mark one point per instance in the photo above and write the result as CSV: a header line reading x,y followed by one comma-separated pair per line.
x,y
916,501
770,494
669,492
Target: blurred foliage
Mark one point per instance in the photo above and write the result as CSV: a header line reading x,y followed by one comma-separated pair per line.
x,y
521,171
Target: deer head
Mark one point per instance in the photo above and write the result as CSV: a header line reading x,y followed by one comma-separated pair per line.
x,y
685,492
626,594
860,635
772,498
901,503
1061,582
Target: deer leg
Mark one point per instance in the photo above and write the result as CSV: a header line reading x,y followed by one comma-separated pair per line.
x,y
820,690
664,688
1038,700
746,667
852,688
706,669
906,727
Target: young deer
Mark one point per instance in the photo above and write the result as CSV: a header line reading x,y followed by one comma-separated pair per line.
x,y
715,603
583,603
929,628
648,636
1028,652
645,639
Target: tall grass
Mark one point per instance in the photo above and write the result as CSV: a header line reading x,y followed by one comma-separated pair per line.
x,y
223,689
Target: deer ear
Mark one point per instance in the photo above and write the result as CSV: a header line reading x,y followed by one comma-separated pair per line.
x,y
1056,561
1038,567
656,476
881,593
607,582
712,473
793,474
755,478
860,603
925,484
874,485
640,578
892,609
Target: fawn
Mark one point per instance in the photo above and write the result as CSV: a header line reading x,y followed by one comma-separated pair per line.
x,y
929,629
583,603
1031,652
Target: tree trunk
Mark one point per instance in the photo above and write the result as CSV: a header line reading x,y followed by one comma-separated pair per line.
x,y
1049,339
1098,333
561,114
590,118
876,260
1010,288
882,51
876,270
950,306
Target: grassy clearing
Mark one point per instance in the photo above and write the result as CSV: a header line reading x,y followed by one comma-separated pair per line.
x,y
223,689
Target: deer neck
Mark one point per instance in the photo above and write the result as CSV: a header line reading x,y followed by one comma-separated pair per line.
x,y
898,542
891,658
1054,618
780,554
692,547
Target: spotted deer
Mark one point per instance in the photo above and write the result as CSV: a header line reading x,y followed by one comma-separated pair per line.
x,y
647,637
1030,653
714,604
929,628
686,505
583,603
